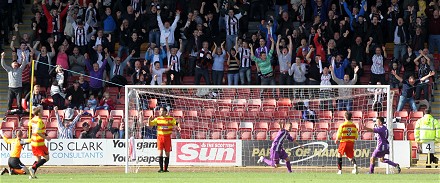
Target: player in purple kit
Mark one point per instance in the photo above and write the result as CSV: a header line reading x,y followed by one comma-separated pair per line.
x,y
277,151
382,148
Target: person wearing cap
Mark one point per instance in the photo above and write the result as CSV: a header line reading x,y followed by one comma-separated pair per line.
x,y
66,127
75,95
15,80
90,133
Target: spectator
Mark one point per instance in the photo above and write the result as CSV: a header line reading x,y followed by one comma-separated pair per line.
x,y
284,58
62,59
117,69
299,71
57,94
423,63
138,71
401,38
408,87
245,61
167,30
67,125
270,29
157,72
347,102
355,14
219,55
54,21
232,26
118,132
377,69
15,80
77,62
158,55
325,92
174,62
108,21
433,23
88,132
75,95
202,65
24,48
150,19
314,68
96,74
92,103
193,47
80,35
340,65
394,82
84,85
264,65
106,102
38,97
233,67
350,71
408,63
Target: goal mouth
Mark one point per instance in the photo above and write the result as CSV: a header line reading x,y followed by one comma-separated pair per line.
x,y
226,127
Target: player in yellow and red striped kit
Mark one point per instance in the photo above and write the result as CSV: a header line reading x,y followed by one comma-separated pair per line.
x,y
39,148
165,125
347,134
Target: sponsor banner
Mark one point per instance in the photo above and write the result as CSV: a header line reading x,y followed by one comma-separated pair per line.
x,y
113,152
87,152
208,152
314,153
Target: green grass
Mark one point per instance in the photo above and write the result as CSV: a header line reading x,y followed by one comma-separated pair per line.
x,y
178,177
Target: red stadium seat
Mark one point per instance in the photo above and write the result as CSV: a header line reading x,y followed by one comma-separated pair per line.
x,y
273,134
307,135
200,134
357,115
398,134
251,115
321,135
228,93
52,125
260,135
269,105
216,135
266,115
367,135
324,115
410,135
52,133
339,115
274,126
117,114
25,121
224,105
280,114
403,116
294,134
239,105
7,133
12,121
244,92
206,113
307,127
370,115
322,126
231,134
246,135
102,113
190,115
414,116
9,125
46,113
284,104
294,115
186,133
254,104
335,125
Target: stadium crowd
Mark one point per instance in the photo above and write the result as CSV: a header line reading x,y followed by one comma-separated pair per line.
x,y
82,47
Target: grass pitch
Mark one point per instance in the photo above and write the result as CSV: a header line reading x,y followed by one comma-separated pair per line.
x,y
216,177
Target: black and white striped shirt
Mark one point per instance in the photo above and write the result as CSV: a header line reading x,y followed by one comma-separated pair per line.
x,y
245,57
80,34
176,59
66,132
232,26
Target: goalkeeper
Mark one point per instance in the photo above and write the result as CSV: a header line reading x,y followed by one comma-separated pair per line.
x,y
14,163
277,151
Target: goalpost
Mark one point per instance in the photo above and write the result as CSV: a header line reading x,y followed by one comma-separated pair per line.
x,y
228,127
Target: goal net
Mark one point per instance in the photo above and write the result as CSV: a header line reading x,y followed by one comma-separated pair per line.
x,y
229,128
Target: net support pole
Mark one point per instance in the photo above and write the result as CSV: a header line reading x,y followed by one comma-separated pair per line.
x,y
126,131
31,96
390,96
